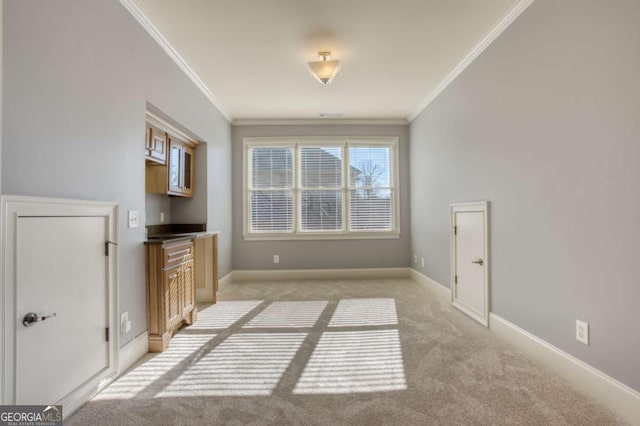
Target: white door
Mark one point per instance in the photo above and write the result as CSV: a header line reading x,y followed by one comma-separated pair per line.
x,y
470,261
61,269
54,258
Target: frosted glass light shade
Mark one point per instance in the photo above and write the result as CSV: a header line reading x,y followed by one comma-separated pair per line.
x,y
324,70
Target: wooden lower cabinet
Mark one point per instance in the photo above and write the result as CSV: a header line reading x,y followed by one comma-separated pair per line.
x,y
171,300
189,291
206,257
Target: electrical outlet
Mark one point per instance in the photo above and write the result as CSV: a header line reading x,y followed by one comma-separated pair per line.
x,y
415,258
276,258
422,261
161,217
134,218
582,332
125,324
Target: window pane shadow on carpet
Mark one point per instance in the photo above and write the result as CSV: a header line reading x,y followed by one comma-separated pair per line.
x,y
243,365
365,312
290,314
248,355
353,362
223,314
146,374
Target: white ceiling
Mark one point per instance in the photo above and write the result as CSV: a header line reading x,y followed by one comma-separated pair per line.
x,y
251,55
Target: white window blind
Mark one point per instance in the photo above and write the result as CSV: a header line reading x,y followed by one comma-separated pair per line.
x,y
370,188
306,188
321,188
271,189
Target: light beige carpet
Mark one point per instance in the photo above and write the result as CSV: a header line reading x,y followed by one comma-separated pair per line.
x,y
366,352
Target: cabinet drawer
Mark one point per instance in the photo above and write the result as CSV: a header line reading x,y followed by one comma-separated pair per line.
x,y
175,253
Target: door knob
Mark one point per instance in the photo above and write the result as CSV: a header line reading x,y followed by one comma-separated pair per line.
x,y
32,318
478,261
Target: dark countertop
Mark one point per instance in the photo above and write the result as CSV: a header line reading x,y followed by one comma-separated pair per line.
x,y
164,238
160,234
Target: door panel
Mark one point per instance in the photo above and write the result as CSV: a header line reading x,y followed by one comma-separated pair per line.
x,y
172,296
188,285
175,167
470,247
188,171
62,269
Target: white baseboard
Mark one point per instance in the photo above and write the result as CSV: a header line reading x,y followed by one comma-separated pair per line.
x,y
225,281
206,294
133,351
320,274
609,392
443,293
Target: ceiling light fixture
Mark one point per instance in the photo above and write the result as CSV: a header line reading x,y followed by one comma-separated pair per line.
x,y
325,69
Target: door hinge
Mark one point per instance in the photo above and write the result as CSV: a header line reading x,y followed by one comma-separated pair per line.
x,y
456,279
106,334
106,247
455,230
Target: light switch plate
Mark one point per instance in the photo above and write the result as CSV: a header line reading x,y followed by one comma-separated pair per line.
x,y
134,218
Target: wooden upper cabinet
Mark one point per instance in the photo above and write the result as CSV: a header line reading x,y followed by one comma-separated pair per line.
x,y
169,158
155,145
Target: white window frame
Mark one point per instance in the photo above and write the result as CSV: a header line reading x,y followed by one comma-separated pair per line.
x,y
296,143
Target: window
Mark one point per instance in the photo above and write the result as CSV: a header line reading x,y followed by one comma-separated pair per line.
x,y
297,188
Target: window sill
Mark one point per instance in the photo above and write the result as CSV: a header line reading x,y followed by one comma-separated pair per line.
x,y
311,237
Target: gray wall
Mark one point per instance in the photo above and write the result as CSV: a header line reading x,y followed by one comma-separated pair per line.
x,y
77,77
154,205
249,255
545,124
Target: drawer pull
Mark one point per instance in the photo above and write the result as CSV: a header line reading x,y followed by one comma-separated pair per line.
x,y
179,253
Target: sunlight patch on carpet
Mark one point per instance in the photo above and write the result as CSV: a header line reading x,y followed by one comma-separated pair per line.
x,y
365,312
302,314
140,378
223,314
354,361
245,364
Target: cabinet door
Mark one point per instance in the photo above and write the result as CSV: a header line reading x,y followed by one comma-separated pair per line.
x,y
187,182
172,296
147,141
157,146
189,290
176,168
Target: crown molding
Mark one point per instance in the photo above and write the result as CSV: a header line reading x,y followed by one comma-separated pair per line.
x,y
164,125
155,33
502,25
321,121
